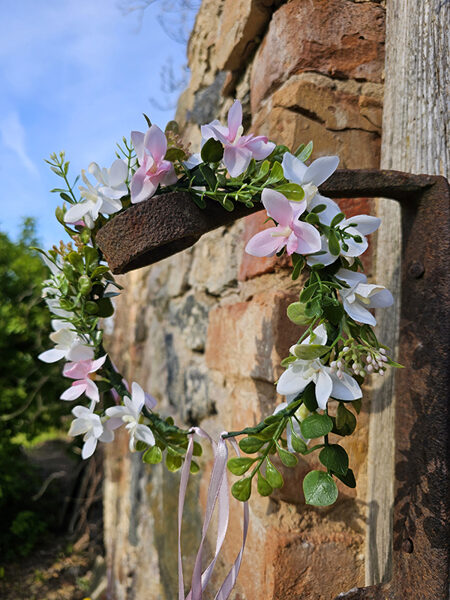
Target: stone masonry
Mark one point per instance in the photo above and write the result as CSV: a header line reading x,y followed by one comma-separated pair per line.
x,y
205,330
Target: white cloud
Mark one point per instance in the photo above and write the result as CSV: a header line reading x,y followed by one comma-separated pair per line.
x,y
13,137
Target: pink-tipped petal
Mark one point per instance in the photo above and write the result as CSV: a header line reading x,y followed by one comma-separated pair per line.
x,y
321,169
96,364
260,147
264,244
234,120
277,207
308,238
236,160
77,370
141,189
155,142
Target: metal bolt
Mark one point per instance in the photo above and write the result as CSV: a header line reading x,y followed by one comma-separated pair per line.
x,y
408,546
416,269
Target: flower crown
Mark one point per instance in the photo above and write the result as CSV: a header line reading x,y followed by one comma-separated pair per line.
x,y
337,347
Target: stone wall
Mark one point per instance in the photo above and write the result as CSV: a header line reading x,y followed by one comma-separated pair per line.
x,y
204,331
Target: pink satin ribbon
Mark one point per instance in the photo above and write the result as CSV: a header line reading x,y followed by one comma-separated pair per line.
x,y
217,493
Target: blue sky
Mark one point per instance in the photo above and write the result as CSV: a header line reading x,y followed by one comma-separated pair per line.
x,y
75,75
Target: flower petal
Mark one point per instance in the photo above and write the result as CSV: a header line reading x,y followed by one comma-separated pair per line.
x,y
352,278
137,139
50,356
358,313
89,447
79,426
277,206
323,259
144,433
75,391
236,159
293,168
137,396
331,210
107,436
346,388
292,380
141,187
117,173
92,390
264,244
321,169
77,212
323,389
308,238
259,147
381,299
155,142
96,364
234,120
80,352
365,224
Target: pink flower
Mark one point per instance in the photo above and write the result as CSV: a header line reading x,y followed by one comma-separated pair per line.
x,y
239,149
154,170
296,235
80,372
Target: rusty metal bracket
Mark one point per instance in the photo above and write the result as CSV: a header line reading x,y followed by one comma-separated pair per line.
x,y
166,224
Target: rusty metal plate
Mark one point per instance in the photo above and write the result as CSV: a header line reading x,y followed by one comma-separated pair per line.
x,y
166,224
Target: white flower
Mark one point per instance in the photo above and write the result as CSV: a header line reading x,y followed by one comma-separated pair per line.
x,y
68,345
104,197
360,296
130,414
91,425
310,178
360,225
301,372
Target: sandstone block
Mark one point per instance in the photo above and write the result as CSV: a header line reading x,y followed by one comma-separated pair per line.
x,y
249,339
335,37
242,22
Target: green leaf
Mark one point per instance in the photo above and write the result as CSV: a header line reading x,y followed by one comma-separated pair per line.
x,y
149,123
153,456
242,489
308,292
309,397
174,154
273,476
392,363
320,489
312,218
276,174
305,152
334,312
194,468
319,208
173,462
357,405
238,466
310,351
264,487
105,308
333,244
263,170
348,479
316,425
345,421
288,459
141,446
66,197
287,361
298,444
249,445
337,219
91,258
212,151
291,191
198,450
296,313
334,458
76,261
268,432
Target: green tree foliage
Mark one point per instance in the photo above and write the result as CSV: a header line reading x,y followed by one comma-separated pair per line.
x,y
29,389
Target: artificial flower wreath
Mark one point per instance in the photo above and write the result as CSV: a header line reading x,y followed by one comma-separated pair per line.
x,y
337,347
